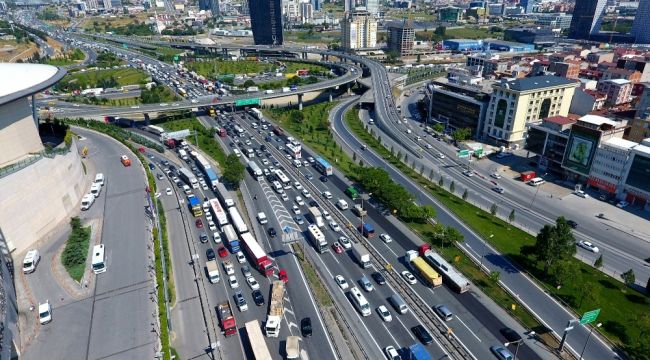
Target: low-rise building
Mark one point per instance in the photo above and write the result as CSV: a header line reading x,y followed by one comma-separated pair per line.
x,y
598,57
486,64
586,101
609,165
569,69
539,37
548,139
618,91
633,76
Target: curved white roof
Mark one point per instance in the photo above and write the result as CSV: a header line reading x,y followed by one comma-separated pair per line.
x,y
21,77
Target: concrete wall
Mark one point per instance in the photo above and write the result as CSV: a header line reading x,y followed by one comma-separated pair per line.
x,y
18,132
40,197
285,100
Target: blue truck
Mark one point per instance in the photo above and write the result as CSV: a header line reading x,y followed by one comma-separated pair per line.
x,y
212,177
417,352
366,230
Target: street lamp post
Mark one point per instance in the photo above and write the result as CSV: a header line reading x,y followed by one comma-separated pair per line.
x,y
587,341
518,342
536,191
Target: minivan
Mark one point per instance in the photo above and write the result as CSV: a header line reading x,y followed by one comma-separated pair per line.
x,y
536,181
398,303
95,189
87,201
31,260
366,284
99,179
342,204
444,312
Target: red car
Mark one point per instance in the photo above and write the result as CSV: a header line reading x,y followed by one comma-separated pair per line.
x,y
337,247
222,252
199,223
283,276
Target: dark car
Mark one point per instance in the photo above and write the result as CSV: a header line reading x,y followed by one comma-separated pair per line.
x,y
152,166
203,238
379,278
210,254
422,334
258,298
313,203
510,335
305,327
172,168
572,223
324,178
272,232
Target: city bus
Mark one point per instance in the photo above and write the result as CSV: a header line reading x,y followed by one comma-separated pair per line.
x,y
323,166
318,238
98,259
360,302
156,130
284,179
256,340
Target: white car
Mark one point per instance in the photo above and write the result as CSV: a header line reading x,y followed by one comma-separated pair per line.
x,y
588,246
240,257
340,280
468,173
391,353
265,162
326,215
581,194
409,277
335,227
299,201
622,204
428,146
495,176
441,156
254,285
44,312
295,209
212,226
327,195
284,196
208,215
297,185
345,242
384,314
385,237
168,191
306,193
232,281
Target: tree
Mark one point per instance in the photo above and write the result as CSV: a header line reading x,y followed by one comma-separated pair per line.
x,y
354,156
439,128
233,171
495,276
628,277
249,83
297,116
554,243
440,31
465,195
565,272
461,134
511,217
599,262
431,174
441,182
453,235
392,56
452,187
493,209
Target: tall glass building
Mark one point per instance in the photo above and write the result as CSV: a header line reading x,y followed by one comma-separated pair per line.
x,y
266,21
641,25
587,18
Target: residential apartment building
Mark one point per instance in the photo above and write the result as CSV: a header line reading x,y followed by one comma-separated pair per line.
x,y
618,91
586,101
598,57
569,69
359,30
634,62
487,64
516,103
633,76
401,38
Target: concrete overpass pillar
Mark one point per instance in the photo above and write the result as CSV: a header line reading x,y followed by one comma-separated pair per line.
x,y
349,89
323,57
300,102
34,112
329,91
304,56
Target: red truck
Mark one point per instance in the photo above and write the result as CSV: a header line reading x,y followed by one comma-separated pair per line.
x,y
222,132
255,252
170,143
278,131
527,175
226,319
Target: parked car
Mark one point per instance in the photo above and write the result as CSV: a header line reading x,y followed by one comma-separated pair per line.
x,y
588,246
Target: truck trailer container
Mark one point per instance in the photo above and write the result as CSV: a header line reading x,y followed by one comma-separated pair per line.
x,y
361,255
257,255
237,221
417,352
276,310
316,216
231,238
421,266
218,212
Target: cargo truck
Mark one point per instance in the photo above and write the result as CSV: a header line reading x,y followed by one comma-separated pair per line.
x,y
257,255
362,256
224,196
367,230
358,210
316,216
417,352
183,155
420,266
352,192
276,310
231,238
226,319
213,271
218,212
194,205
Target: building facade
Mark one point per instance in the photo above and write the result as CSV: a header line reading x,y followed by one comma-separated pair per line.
x,y
372,6
537,36
548,139
401,38
609,165
266,21
515,104
359,31
527,5
618,91
585,101
555,21
636,187
587,18
450,14
457,106
641,25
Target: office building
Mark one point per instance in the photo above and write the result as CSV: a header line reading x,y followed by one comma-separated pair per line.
x,y
306,12
463,44
316,4
91,5
643,106
587,18
450,14
266,21
548,139
554,21
527,5
401,38
372,6
107,5
609,165
618,91
359,30
636,187
539,37
641,25
516,103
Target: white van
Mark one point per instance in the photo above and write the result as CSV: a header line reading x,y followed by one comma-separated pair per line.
x,y
536,181
342,204
95,189
237,152
99,179
278,187
371,122
297,163
398,303
261,217
30,261
87,201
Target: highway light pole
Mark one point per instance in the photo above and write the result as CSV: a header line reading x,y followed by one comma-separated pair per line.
x,y
587,341
536,191
483,252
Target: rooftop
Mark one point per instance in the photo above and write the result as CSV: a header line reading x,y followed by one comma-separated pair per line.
x,y
20,80
619,81
642,149
537,82
560,120
621,143
598,120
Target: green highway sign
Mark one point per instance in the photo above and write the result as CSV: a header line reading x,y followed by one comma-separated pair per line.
x,y
246,102
463,153
125,46
176,57
478,152
589,316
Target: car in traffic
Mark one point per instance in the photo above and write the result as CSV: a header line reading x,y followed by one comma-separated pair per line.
x,y
510,334
501,353
295,209
572,223
379,278
232,281
443,312
385,237
271,231
203,238
222,252
588,246
299,201
498,189
299,219
240,301
622,204
384,314
495,176
240,257
258,298
334,226
199,223
391,353
422,334
345,242
341,282
305,327
409,277
210,254
327,195
337,248
168,191
252,283
323,178
468,173
44,313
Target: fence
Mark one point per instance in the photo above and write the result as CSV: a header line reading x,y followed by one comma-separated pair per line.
x,y
34,157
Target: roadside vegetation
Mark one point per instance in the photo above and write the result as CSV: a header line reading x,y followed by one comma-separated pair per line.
x,y
217,67
625,313
133,24
112,78
68,58
441,33
75,254
108,60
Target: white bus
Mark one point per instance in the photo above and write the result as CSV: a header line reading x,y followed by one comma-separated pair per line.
x,y
237,220
98,260
284,179
156,130
360,302
318,238
256,340
450,275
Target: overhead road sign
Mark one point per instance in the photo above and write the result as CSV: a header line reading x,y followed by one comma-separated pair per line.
x,y
463,153
589,316
247,102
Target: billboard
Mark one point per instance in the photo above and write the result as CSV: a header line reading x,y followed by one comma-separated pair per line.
x,y
639,172
580,150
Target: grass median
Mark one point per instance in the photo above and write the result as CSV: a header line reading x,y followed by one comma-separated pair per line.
x,y
205,137
625,313
75,254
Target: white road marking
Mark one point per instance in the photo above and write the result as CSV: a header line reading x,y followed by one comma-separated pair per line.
x,y
470,330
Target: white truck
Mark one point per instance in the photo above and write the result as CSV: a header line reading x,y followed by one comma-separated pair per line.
x,y
362,256
261,217
213,271
286,89
228,267
316,216
276,310
183,155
